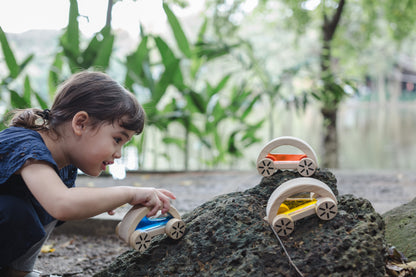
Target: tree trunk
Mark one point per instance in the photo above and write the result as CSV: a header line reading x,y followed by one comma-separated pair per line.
x,y
329,113
330,105
329,139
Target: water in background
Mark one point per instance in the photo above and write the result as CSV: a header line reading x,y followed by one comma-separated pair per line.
x,y
371,136
374,136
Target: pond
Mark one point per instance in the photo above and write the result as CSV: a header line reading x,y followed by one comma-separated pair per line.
x,y
372,136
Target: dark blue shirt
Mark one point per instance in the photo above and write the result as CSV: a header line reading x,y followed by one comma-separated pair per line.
x,y
21,216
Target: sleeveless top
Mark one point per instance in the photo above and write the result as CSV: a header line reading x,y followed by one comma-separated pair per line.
x,y
17,145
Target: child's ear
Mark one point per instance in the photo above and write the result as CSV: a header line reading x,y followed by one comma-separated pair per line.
x,y
79,122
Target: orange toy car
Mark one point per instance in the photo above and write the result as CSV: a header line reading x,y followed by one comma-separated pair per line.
x,y
268,163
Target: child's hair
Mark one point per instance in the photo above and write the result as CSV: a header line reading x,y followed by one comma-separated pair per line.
x,y
104,99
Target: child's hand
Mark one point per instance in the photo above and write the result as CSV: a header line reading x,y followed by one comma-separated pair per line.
x,y
154,199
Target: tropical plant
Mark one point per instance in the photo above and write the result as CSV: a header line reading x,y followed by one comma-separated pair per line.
x,y
11,84
95,56
193,103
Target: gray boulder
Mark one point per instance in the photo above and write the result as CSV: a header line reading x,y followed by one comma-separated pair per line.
x,y
400,229
228,237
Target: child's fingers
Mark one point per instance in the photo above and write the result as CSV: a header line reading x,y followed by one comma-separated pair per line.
x,y
165,201
162,201
155,208
167,193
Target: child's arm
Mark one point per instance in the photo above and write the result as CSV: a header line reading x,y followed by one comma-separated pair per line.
x,y
79,203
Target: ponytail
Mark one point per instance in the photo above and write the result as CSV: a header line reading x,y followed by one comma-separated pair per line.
x,y
34,119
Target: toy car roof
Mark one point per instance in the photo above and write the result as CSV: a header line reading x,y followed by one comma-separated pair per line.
x,y
291,141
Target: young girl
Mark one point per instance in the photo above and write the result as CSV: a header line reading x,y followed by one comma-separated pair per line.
x,y
91,118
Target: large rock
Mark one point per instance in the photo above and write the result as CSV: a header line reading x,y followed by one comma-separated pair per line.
x,y
400,229
228,237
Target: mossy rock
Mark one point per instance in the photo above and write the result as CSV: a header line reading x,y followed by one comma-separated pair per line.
x,y
228,237
400,229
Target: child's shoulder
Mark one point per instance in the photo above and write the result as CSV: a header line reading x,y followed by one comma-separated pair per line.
x,y
18,135
17,145
18,141
17,131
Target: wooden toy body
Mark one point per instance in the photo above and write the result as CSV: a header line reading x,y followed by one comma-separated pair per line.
x,y
305,164
137,230
282,210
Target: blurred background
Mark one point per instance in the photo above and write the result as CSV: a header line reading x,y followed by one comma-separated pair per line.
x,y
220,78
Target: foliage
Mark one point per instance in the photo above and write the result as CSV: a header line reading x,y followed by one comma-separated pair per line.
x,y
9,83
95,56
192,103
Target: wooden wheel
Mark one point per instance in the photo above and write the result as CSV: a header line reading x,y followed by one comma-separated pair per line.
x,y
175,228
118,229
266,167
326,208
283,225
306,167
140,240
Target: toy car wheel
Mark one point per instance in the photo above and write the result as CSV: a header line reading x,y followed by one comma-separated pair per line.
x,y
283,224
175,228
118,228
326,208
266,167
306,167
140,240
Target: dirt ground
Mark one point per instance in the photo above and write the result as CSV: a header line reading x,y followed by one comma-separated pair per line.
x,y
82,248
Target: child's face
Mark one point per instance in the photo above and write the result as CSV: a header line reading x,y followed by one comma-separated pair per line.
x,y
99,147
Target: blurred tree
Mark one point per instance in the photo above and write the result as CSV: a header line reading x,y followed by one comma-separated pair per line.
x,y
345,27
336,19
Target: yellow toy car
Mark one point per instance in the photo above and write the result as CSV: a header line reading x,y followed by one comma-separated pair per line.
x,y
299,198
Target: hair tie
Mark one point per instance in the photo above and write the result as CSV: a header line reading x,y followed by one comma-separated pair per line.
x,y
46,113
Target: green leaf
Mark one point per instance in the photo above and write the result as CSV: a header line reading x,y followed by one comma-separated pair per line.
x,y
27,92
138,67
26,62
72,32
17,101
165,80
202,30
54,72
98,52
171,63
177,141
102,61
43,104
178,32
249,108
197,101
221,84
8,55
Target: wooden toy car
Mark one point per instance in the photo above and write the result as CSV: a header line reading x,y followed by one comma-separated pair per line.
x,y
305,164
138,230
299,198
